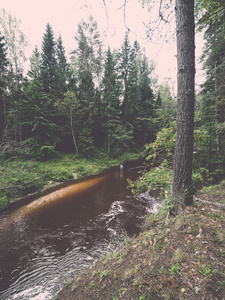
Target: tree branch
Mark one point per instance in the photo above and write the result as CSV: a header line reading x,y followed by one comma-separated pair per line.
x,y
160,13
107,16
124,14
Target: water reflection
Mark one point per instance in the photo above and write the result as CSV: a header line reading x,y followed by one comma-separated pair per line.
x,y
47,242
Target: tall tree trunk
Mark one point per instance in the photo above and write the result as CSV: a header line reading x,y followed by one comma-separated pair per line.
x,y
185,30
216,113
72,131
85,59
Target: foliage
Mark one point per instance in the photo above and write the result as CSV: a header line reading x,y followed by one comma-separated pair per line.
x,y
205,270
211,21
38,121
16,40
208,12
16,44
161,151
137,95
114,106
49,63
174,269
68,107
19,177
62,67
163,146
158,178
114,134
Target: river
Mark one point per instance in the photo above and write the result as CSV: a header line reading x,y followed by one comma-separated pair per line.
x,y
45,243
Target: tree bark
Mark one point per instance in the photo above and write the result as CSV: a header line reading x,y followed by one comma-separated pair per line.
x,y
72,131
185,33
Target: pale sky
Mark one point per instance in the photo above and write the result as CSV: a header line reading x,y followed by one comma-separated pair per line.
x,y
64,16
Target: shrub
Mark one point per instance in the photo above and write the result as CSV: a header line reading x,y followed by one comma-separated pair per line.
x,y
159,179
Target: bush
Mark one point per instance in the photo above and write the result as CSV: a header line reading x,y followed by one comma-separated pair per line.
x,y
163,147
159,179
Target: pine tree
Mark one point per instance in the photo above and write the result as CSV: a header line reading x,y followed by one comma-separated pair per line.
x,y
137,93
182,171
116,138
133,93
41,131
49,74
213,90
63,67
35,64
39,113
86,98
88,64
145,113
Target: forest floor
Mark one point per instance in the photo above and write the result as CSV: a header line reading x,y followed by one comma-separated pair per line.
x,y
180,257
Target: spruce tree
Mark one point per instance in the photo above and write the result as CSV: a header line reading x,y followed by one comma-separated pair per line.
x,y
213,90
63,67
40,128
49,74
116,138
35,64
137,94
86,97
88,64
145,113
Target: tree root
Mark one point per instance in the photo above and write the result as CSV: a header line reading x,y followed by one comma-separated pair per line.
x,y
219,205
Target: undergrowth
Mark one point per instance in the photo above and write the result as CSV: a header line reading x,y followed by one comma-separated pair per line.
x,y
19,177
160,156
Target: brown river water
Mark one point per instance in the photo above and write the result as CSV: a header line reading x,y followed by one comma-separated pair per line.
x,y
45,243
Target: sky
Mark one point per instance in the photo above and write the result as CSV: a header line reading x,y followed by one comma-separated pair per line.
x,y
64,16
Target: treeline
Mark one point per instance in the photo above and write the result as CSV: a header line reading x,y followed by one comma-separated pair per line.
x,y
209,133
210,110
99,99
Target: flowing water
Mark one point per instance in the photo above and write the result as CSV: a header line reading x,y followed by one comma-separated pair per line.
x,y
45,243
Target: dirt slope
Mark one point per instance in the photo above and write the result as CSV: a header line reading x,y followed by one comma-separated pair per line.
x,y
179,257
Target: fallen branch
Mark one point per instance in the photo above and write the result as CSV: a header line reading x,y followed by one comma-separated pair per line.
x,y
167,216
9,160
220,205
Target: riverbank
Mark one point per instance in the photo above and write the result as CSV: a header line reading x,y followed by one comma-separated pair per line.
x,y
180,257
29,179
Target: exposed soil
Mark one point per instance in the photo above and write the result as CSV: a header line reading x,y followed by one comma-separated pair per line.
x,y
179,257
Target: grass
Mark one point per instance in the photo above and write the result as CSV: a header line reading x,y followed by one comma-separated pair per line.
x,y
168,260
103,274
203,269
217,190
19,177
174,269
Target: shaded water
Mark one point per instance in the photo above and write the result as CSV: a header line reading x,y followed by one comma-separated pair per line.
x,y
45,243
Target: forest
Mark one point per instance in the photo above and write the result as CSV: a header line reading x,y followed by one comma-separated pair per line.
x,y
106,102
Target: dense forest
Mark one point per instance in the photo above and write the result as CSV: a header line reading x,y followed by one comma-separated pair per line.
x,y
108,99
99,99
